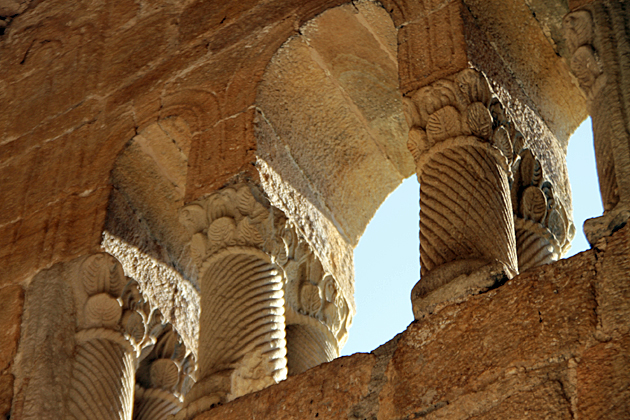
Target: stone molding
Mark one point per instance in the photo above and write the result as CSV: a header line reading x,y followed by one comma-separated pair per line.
x,y
467,239
598,40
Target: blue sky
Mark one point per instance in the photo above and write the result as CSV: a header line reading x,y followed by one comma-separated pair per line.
x,y
387,257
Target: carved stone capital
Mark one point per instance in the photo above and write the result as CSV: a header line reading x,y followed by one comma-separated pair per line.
x,y
543,227
235,217
85,326
317,312
599,41
452,108
462,159
111,331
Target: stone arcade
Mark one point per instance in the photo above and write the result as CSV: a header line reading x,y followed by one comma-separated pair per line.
x,y
183,185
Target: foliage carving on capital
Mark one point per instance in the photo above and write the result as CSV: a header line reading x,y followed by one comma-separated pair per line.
x,y
235,216
453,110
544,229
311,292
585,60
165,373
111,301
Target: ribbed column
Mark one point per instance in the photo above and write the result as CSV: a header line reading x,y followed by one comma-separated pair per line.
x,y
91,363
467,241
242,321
236,244
598,37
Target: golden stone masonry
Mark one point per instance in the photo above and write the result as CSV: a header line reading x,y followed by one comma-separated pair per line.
x,y
183,183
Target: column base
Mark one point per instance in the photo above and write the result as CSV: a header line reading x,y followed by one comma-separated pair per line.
x,y
206,394
604,226
455,282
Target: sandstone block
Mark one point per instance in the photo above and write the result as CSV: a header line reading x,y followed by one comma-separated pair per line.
x,y
603,374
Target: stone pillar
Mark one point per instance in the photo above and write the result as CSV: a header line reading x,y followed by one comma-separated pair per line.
x,y
598,39
543,228
467,241
236,245
164,375
84,327
317,313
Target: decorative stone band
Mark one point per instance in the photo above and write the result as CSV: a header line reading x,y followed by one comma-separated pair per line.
x,y
598,38
317,313
237,245
467,241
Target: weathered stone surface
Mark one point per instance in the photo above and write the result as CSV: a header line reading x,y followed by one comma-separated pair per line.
x,y
613,292
513,30
11,303
315,78
509,340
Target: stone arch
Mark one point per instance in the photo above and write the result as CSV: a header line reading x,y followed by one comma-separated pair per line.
x,y
331,134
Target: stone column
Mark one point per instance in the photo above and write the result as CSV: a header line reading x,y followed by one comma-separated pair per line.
x,y
164,375
467,241
543,228
236,245
598,39
84,327
317,313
